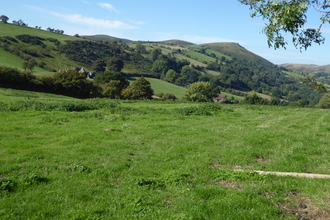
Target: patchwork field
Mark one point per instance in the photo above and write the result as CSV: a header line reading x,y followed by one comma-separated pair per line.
x,y
63,158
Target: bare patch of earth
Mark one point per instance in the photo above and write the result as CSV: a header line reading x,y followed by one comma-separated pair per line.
x,y
228,184
303,208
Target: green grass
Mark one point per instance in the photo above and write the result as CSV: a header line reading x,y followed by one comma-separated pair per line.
x,y
9,95
159,160
161,86
14,30
199,56
217,54
239,98
8,59
192,61
56,62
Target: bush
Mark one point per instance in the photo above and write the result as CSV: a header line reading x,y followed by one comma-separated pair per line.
x,y
200,92
324,102
168,96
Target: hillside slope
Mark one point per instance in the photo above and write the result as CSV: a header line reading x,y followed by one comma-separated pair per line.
x,y
227,66
237,51
102,37
306,68
40,45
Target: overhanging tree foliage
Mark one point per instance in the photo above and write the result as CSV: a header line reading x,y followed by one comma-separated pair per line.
x,y
290,16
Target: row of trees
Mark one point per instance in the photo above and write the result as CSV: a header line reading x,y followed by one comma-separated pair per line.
x,y
20,22
57,31
75,84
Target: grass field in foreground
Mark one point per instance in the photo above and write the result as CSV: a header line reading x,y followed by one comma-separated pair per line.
x,y
107,159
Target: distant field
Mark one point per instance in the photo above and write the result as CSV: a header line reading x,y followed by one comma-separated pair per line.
x,y
192,61
218,54
8,59
199,56
14,30
212,72
9,95
161,86
239,98
56,60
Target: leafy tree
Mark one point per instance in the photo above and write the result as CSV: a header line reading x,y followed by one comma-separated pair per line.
x,y
141,48
160,66
20,22
29,64
171,76
107,76
155,53
168,96
140,89
25,65
4,19
113,89
74,84
200,92
284,16
254,99
325,101
190,74
115,64
99,66
181,81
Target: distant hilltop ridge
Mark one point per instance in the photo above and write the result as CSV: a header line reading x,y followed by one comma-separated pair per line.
x,y
306,68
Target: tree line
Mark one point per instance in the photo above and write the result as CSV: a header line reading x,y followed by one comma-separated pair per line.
x,y
20,22
73,83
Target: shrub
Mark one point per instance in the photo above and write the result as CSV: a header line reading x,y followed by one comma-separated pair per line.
x,y
324,102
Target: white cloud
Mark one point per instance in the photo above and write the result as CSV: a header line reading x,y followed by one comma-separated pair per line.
x,y
108,7
88,21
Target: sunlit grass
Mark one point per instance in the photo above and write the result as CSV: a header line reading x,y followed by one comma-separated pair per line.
x,y
158,160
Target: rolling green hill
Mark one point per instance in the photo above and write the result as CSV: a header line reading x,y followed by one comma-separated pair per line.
x,y
107,38
306,68
237,51
177,42
14,30
228,66
199,57
13,51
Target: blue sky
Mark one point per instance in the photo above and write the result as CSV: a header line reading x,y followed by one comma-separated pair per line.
x,y
196,21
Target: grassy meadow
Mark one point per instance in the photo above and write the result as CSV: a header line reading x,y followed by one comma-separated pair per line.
x,y
200,57
64,158
161,86
14,30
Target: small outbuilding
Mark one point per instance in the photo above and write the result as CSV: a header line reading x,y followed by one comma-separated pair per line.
x,y
220,98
